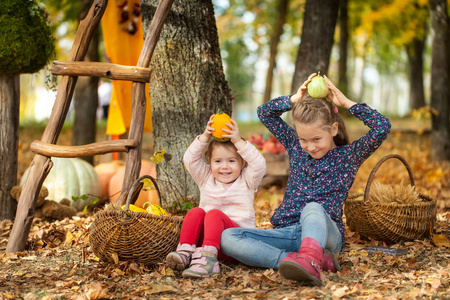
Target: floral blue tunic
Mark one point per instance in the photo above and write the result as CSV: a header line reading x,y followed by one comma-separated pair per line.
x,y
327,180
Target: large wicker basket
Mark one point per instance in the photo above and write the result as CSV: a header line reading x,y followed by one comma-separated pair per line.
x,y
390,222
125,235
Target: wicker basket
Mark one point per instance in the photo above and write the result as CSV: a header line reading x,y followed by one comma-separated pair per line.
x,y
125,235
390,222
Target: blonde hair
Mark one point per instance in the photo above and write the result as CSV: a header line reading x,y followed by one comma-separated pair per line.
x,y
310,110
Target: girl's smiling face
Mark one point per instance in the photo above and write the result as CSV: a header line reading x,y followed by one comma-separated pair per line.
x,y
226,164
316,139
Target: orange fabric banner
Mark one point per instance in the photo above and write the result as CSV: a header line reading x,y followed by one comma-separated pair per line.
x,y
123,39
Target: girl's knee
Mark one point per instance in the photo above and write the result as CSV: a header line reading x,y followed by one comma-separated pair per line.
x,y
312,208
215,213
196,212
229,235
227,238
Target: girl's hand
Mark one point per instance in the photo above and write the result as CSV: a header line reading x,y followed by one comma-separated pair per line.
x,y
336,96
233,135
302,90
206,135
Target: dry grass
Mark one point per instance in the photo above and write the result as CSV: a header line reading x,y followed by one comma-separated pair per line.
x,y
401,194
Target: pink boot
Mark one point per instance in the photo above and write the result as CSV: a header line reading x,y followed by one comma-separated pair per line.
x,y
330,262
204,263
305,265
181,258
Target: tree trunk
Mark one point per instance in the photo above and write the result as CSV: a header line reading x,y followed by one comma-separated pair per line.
x,y
415,58
186,87
440,89
86,95
9,142
314,51
343,46
274,41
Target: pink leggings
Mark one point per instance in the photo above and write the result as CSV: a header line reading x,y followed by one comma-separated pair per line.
x,y
205,228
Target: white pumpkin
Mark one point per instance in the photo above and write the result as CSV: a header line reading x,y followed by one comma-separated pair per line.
x,y
71,177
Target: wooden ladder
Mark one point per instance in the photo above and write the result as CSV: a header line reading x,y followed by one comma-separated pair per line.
x,y
70,70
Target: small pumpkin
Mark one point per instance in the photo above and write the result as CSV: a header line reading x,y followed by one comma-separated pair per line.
x,y
154,209
220,122
105,172
71,177
115,184
134,208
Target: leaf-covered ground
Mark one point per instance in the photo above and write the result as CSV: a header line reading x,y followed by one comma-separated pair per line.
x,y
59,264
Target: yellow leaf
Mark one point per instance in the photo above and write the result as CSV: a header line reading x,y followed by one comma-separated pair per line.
x,y
148,184
168,272
119,271
158,156
115,257
440,240
69,237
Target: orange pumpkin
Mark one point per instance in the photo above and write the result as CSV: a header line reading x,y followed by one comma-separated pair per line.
x,y
111,176
105,171
220,120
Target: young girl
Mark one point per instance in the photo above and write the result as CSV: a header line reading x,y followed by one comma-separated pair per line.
x,y
227,183
323,166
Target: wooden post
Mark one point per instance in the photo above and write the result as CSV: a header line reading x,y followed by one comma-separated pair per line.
x,y
41,165
133,162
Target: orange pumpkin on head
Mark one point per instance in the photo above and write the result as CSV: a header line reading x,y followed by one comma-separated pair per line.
x,y
220,120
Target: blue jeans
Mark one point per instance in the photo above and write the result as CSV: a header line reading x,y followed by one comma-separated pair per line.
x,y
267,247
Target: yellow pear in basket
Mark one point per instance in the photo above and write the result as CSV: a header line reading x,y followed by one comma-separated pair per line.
x,y
134,208
155,209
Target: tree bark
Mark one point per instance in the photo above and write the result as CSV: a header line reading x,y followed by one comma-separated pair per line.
x,y
317,38
9,142
187,85
86,95
415,58
343,46
440,89
274,41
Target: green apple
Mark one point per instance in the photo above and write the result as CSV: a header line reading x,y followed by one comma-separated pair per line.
x,y
318,88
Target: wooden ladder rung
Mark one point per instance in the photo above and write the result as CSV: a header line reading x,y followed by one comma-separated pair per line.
x,y
100,69
121,145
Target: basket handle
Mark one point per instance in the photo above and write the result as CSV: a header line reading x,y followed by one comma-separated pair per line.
x,y
372,174
140,184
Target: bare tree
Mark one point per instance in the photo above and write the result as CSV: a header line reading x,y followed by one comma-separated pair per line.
x,y
343,45
440,89
274,41
316,40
